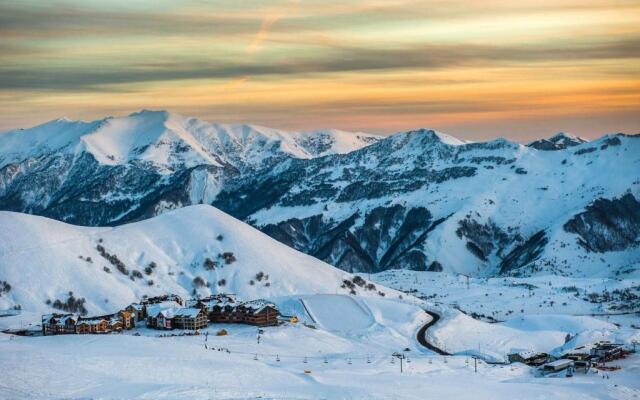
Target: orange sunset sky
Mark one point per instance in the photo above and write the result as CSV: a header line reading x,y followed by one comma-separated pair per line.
x,y
474,69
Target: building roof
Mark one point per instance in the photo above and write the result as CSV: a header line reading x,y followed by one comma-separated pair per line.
x,y
166,308
258,305
61,318
187,312
93,320
525,354
559,363
221,300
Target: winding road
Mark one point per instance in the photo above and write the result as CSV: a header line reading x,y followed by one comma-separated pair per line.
x,y
422,334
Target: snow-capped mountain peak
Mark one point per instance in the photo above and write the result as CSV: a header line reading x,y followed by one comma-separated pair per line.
x,y
559,141
430,135
168,140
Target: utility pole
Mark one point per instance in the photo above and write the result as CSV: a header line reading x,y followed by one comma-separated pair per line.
x,y
400,357
475,364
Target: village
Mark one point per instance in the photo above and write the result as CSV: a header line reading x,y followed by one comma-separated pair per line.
x,y
581,359
167,312
172,312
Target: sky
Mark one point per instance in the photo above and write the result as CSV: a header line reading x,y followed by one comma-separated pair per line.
x,y
520,69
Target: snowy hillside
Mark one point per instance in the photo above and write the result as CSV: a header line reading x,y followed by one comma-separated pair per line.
x,y
418,201
178,252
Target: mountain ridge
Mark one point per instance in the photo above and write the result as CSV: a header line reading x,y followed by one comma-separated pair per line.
x,y
419,199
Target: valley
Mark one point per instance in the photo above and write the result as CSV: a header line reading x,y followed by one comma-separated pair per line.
x,y
444,258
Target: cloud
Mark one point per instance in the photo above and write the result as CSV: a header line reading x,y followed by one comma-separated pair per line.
x,y
334,60
386,61
234,84
69,22
262,33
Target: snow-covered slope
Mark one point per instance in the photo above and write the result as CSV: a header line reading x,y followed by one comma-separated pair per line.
x,y
178,252
415,200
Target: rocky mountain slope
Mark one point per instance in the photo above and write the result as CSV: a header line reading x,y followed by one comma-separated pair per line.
x,y
195,250
416,200
128,168
420,200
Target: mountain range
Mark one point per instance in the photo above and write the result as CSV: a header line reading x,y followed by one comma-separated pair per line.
x,y
417,200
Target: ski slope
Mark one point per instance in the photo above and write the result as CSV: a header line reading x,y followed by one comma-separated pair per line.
x,y
149,367
338,313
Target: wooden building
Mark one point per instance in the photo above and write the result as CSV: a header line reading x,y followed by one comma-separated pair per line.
x,y
190,318
529,357
137,311
225,308
605,351
127,319
98,324
116,325
160,315
59,324
259,312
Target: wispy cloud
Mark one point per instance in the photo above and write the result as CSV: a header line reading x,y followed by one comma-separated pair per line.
x,y
388,63
262,33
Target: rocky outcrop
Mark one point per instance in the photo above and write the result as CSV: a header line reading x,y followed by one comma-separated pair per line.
x,y
484,239
386,238
608,225
558,142
524,254
81,191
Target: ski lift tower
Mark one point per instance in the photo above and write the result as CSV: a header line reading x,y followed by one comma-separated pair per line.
x,y
467,277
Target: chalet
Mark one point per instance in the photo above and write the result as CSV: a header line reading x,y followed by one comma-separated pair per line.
x,y
83,328
258,312
116,325
528,357
160,315
137,311
190,318
222,309
94,325
225,308
224,312
127,319
58,324
557,365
